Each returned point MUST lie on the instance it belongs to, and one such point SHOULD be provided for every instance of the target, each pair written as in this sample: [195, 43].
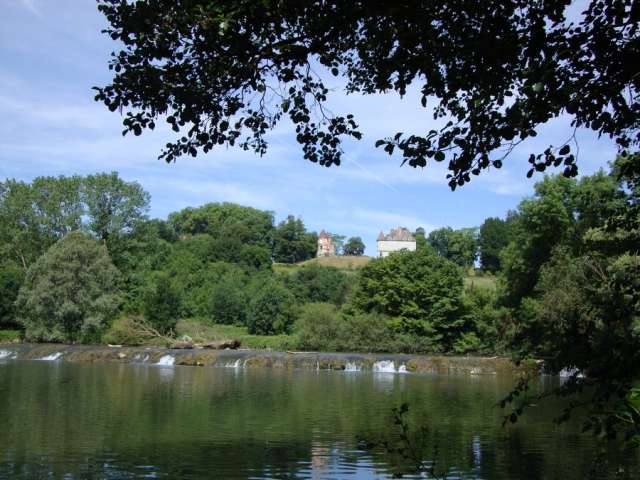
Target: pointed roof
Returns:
[381, 236]
[323, 234]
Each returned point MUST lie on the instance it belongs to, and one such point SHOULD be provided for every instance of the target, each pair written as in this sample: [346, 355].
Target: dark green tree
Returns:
[225, 220]
[162, 305]
[292, 243]
[314, 283]
[420, 290]
[11, 278]
[459, 246]
[70, 293]
[354, 246]
[271, 310]
[224, 73]
[229, 301]
[493, 238]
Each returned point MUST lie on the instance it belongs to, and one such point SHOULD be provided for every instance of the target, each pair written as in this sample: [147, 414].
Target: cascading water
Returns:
[351, 367]
[5, 354]
[166, 360]
[388, 366]
[52, 358]
[236, 364]
[384, 366]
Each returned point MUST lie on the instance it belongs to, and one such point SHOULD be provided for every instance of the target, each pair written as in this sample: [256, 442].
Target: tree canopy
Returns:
[70, 293]
[225, 73]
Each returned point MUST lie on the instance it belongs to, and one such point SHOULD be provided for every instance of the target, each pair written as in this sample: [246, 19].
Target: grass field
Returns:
[202, 332]
[346, 263]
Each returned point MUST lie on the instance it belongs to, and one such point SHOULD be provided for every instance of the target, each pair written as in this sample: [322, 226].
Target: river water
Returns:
[82, 420]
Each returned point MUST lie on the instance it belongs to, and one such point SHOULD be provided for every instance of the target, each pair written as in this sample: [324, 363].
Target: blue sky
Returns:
[52, 53]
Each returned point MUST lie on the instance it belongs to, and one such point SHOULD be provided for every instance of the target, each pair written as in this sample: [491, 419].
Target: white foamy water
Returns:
[384, 366]
[6, 354]
[388, 366]
[166, 360]
[351, 367]
[236, 364]
[53, 357]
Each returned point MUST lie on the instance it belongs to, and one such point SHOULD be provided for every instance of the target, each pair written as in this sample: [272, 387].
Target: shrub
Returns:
[229, 302]
[132, 331]
[69, 293]
[321, 326]
[162, 305]
[271, 310]
[313, 283]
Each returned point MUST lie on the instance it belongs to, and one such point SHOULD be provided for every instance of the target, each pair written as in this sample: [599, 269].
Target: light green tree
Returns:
[70, 293]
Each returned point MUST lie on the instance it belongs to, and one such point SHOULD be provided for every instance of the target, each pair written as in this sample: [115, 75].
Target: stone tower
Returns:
[326, 248]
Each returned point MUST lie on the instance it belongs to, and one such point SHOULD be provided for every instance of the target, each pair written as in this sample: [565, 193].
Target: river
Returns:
[108, 420]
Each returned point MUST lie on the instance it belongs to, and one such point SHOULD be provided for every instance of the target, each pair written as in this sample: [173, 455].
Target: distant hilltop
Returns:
[398, 239]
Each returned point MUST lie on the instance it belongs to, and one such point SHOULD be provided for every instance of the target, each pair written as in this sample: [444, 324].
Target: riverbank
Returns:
[387, 363]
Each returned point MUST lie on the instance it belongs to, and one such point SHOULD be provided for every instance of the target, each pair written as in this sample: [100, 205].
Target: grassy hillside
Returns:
[347, 263]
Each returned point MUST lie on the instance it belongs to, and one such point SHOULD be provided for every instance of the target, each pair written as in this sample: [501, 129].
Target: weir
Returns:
[348, 362]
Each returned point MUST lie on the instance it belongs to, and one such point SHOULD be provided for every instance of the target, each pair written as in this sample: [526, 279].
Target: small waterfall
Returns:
[384, 366]
[388, 366]
[6, 354]
[166, 360]
[351, 367]
[52, 358]
[236, 364]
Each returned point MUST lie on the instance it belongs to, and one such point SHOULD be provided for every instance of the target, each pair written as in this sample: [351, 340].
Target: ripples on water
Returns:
[64, 420]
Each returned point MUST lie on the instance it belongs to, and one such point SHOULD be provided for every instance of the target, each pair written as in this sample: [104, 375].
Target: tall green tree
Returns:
[162, 304]
[494, 71]
[354, 246]
[493, 238]
[459, 246]
[292, 243]
[70, 293]
[21, 238]
[225, 220]
[58, 205]
[420, 290]
[271, 310]
[113, 207]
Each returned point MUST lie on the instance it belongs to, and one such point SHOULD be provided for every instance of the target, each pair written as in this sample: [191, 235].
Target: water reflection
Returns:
[62, 420]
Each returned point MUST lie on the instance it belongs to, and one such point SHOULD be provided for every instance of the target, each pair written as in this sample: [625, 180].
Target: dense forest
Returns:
[82, 262]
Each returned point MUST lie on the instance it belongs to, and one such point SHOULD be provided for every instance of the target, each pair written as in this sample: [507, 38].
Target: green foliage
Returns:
[541, 64]
[321, 327]
[255, 257]
[489, 322]
[162, 305]
[292, 243]
[132, 331]
[245, 225]
[561, 211]
[271, 310]
[420, 290]
[229, 301]
[354, 246]
[11, 277]
[8, 336]
[493, 238]
[313, 283]
[70, 293]
[459, 246]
